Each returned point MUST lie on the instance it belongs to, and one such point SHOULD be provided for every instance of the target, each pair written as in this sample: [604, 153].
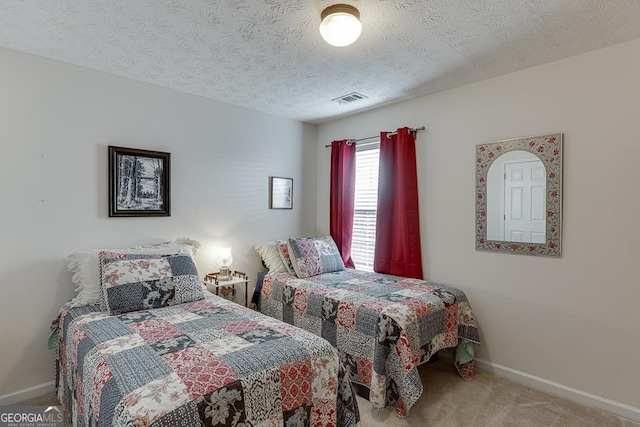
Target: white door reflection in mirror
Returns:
[534, 194]
[516, 198]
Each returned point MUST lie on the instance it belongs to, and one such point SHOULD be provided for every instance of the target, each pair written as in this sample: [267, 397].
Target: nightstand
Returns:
[237, 278]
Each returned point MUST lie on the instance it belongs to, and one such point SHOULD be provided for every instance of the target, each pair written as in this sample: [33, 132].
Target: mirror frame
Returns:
[548, 148]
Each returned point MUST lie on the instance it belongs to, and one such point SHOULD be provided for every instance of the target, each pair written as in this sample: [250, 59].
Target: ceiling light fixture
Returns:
[340, 25]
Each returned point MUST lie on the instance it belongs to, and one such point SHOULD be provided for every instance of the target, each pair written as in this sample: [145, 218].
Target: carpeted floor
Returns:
[487, 400]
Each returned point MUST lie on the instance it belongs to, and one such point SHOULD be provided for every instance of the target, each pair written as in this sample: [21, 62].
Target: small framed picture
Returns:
[281, 193]
[138, 182]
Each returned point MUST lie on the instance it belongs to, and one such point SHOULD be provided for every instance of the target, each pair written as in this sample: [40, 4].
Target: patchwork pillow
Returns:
[315, 255]
[270, 255]
[285, 255]
[85, 270]
[131, 282]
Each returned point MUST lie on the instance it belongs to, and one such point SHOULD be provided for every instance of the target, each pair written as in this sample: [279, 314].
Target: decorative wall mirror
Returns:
[519, 196]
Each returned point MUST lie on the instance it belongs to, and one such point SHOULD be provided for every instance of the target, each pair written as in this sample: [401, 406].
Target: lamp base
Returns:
[224, 274]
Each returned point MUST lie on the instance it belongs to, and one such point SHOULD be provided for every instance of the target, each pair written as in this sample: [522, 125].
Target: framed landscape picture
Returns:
[138, 182]
[281, 193]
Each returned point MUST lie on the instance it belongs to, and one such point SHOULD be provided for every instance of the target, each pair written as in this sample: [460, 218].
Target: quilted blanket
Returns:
[206, 363]
[384, 326]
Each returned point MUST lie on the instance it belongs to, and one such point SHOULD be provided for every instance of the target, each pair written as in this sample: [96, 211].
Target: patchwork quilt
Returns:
[205, 363]
[383, 326]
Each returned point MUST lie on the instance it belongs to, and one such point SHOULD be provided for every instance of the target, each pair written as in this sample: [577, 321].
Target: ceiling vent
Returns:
[348, 98]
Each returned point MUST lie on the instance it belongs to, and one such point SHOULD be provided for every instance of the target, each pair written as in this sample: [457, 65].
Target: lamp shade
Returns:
[224, 254]
[340, 25]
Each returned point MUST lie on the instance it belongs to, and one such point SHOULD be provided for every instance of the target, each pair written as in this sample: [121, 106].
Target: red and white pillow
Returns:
[132, 282]
[311, 256]
[285, 255]
[85, 270]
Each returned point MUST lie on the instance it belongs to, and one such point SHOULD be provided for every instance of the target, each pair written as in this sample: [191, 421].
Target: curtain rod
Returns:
[389, 135]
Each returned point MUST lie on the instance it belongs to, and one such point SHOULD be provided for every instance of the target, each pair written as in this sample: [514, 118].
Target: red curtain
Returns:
[342, 196]
[398, 222]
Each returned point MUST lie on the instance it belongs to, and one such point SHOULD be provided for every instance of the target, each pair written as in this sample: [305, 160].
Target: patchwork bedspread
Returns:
[205, 363]
[384, 326]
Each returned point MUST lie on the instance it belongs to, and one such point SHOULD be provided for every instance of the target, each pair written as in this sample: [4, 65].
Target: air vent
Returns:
[348, 98]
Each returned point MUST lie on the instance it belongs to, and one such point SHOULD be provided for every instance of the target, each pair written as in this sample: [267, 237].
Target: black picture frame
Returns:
[139, 182]
[280, 193]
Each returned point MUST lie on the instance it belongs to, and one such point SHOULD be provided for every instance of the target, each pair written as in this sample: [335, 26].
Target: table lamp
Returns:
[225, 261]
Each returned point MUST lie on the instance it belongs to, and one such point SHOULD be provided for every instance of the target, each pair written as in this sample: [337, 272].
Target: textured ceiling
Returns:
[268, 55]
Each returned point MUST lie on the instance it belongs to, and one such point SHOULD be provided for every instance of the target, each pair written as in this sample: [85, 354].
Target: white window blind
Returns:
[366, 201]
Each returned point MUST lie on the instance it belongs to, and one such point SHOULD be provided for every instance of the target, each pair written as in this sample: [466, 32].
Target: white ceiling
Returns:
[268, 55]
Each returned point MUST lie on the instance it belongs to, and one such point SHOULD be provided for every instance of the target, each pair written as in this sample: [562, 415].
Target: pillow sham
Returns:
[132, 282]
[315, 255]
[270, 255]
[85, 271]
[285, 255]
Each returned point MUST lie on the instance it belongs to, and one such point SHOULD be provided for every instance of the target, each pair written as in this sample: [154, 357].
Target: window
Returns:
[366, 201]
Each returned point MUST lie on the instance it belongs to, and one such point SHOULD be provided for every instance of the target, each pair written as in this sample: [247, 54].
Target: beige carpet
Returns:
[487, 400]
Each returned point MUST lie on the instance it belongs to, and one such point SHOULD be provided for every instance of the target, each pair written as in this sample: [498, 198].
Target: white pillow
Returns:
[268, 251]
[85, 270]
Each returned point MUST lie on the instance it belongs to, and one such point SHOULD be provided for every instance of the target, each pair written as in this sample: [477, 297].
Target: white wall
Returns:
[573, 320]
[56, 121]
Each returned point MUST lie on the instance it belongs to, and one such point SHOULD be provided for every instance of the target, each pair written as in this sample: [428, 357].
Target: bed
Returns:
[383, 326]
[171, 354]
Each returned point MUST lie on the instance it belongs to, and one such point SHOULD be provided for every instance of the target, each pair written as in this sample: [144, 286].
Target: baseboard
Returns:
[27, 393]
[570, 393]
